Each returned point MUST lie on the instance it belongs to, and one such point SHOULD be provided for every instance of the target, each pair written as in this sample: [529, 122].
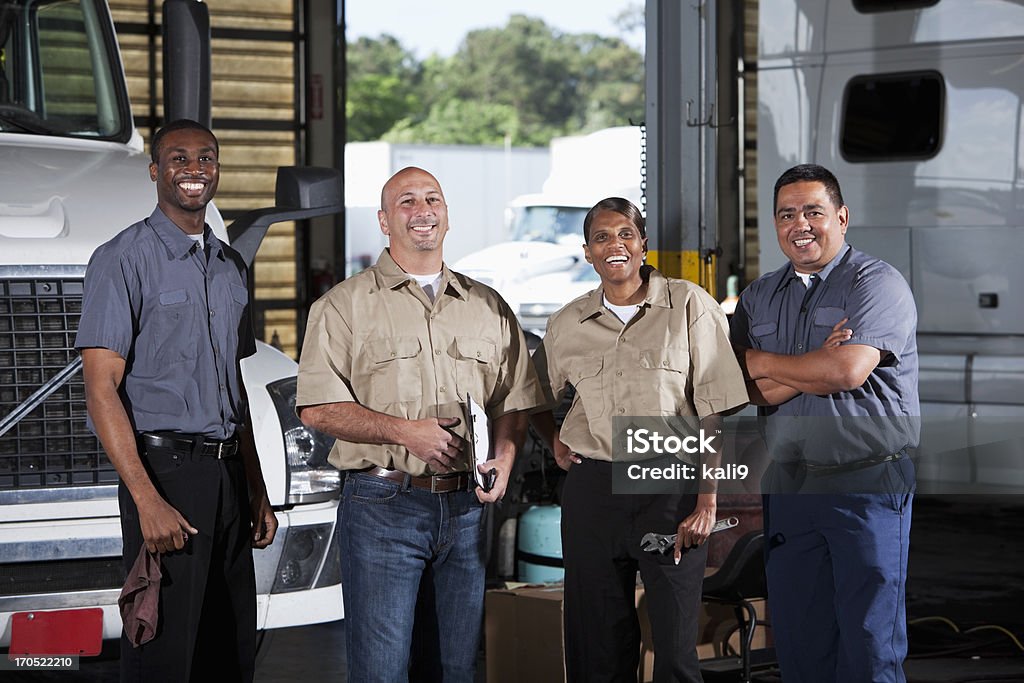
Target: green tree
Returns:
[610, 80]
[632, 19]
[525, 80]
[525, 65]
[383, 78]
[557, 83]
[460, 122]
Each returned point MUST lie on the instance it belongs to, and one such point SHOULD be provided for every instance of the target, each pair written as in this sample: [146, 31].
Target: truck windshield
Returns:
[59, 70]
[548, 224]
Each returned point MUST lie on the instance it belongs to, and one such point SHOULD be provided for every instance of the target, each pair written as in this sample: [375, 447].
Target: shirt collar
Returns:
[391, 276]
[789, 273]
[657, 287]
[657, 294]
[175, 239]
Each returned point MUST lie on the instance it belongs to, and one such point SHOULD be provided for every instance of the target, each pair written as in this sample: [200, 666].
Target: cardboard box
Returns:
[523, 633]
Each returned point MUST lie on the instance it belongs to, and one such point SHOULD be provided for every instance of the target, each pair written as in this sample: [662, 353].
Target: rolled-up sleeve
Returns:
[718, 384]
[552, 379]
[325, 365]
[108, 319]
[739, 324]
[517, 387]
[881, 312]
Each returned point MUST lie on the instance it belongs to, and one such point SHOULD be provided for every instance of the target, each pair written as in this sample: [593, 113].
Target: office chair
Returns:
[739, 580]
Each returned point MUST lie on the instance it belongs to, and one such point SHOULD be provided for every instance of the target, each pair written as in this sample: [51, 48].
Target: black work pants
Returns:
[601, 535]
[207, 613]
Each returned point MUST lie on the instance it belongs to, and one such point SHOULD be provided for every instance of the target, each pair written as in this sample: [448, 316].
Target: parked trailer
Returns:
[918, 108]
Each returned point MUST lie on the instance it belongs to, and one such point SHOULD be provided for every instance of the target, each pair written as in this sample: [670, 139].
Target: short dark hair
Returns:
[179, 124]
[810, 173]
[620, 206]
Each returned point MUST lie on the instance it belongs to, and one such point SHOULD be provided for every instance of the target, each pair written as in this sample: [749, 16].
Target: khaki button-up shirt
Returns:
[672, 358]
[376, 339]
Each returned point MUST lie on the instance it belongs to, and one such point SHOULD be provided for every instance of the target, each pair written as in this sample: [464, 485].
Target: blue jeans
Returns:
[412, 570]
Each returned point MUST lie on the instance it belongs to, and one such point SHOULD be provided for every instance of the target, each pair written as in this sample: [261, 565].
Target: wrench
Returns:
[662, 543]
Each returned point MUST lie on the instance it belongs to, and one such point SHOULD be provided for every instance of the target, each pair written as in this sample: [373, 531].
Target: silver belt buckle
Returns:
[433, 483]
[220, 450]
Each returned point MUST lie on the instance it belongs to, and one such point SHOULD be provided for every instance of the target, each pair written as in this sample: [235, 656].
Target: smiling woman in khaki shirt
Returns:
[639, 345]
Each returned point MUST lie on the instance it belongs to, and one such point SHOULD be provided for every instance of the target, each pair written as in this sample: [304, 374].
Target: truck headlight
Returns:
[310, 478]
[304, 550]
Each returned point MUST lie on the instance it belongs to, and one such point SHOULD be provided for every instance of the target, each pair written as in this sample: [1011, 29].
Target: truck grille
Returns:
[61, 576]
[50, 446]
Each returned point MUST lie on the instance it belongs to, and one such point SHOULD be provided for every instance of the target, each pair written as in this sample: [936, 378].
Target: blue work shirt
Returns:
[179, 317]
[778, 314]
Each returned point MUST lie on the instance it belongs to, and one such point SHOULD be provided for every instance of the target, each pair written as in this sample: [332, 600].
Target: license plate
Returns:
[61, 632]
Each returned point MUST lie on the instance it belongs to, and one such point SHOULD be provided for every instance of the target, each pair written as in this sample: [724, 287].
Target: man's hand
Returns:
[503, 469]
[696, 528]
[565, 457]
[507, 433]
[838, 335]
[264, 521]
[164, 530]
[431, 441]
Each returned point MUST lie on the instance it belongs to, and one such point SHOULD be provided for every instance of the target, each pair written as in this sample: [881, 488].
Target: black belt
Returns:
[437, 483]
[191, 443]
[818, 468]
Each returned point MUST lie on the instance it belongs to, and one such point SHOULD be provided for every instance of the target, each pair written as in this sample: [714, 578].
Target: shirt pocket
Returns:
[665, 384]
[239, 294]
[824, 319]
[476, 367]
[175, 327]
[395, 373]
[584, 375]
[765, 336]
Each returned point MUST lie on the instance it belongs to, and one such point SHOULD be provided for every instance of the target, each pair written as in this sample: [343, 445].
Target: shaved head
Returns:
[414, 216]
[395, 180]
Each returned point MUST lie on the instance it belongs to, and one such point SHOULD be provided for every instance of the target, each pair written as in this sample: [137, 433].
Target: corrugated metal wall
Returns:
[256, 48]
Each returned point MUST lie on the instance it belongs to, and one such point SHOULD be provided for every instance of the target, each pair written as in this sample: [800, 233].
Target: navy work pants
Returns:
[836, 566]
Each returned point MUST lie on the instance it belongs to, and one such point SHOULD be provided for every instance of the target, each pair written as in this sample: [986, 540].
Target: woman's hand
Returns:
[565, 457]
[696, 528]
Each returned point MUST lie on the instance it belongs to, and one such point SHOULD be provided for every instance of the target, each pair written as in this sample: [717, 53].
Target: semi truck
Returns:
[73, 172]
[917, 108]
[545, 229]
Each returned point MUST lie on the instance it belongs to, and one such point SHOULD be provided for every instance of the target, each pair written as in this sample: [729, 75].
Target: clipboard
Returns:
[479, 428]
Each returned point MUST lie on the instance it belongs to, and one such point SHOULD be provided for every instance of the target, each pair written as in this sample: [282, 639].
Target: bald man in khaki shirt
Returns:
[391, 357]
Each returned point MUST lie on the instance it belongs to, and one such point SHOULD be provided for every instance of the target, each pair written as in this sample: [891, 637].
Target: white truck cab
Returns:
[73, 173]
[546, 228]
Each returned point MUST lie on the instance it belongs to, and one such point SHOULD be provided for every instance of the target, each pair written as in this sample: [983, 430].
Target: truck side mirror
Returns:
[302, 192]
[308, 187]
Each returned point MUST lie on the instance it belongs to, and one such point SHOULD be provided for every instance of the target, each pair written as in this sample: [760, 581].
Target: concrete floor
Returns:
[966, 572]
